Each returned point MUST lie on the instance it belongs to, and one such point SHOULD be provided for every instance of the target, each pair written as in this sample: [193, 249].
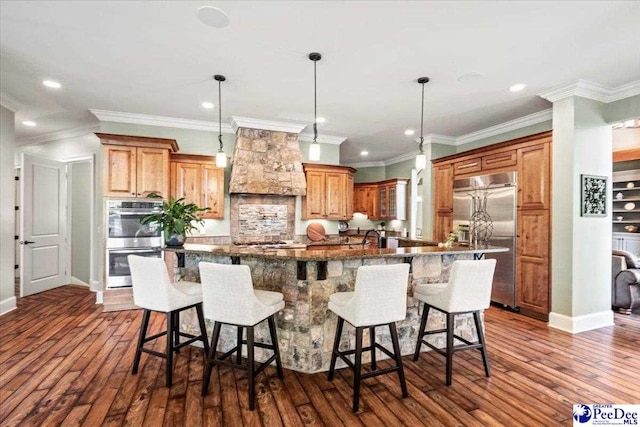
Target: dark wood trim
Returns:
[192, 158]
[138, 141]
[534, 139]
[327, 168]
[626, 155]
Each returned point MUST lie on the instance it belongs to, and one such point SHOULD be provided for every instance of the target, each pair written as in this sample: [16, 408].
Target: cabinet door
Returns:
[186, 182]
[372, 203]
[314, 201]
[534, 177]
[120, 171]
[383, 199]
[348, 192]
[442, 225]
[532, 262]
[499, 160]
[213, 191]
[443, 186]
[393, 208]
[632, 244]
[359, 194]
[467, 166]
[334, 187]
[152, 171]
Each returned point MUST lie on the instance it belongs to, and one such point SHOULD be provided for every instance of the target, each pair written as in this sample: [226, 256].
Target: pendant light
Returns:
[221, 157]
[421, 158]
[314, 148]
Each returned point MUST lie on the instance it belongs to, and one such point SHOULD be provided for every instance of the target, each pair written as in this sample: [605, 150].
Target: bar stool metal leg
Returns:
[176, 330]
[203, 330]
[251, 368]
[398, 357]
[483, 348]
[372, 338]
[449, 351]
[169, 354]
[357, 369]
[276, 348]
[421, 331]
[141, 337]
[336, 345]
[239, 341]
[210, 358]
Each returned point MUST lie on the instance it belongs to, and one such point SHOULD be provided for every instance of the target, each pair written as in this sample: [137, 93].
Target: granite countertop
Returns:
[302, 254]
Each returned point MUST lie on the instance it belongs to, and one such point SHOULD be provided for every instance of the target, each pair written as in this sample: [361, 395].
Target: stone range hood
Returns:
[267, 162]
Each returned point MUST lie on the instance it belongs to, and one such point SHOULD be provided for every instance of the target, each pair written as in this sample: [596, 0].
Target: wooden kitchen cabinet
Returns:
[366, 202]
[443, 201]
[532, 263]
[534, 180]
[329, 192]
[135, 166]
[199, 181]
[530, 157]
[393, 199]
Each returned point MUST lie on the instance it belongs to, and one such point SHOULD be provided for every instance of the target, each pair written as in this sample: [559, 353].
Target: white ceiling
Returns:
[157, 58]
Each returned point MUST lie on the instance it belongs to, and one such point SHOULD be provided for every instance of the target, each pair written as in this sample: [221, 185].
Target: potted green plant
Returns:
[176, 218]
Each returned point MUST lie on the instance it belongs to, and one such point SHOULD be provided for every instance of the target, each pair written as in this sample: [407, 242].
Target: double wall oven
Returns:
[126, 236]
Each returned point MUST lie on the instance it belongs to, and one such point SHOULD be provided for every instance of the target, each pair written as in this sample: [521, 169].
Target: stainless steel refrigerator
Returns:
[501, 207]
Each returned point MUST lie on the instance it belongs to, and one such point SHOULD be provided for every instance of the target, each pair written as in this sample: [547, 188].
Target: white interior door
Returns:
[43, 202]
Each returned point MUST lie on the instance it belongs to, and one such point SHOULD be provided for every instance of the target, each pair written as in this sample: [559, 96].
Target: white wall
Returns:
[7, 212]
[81, 187]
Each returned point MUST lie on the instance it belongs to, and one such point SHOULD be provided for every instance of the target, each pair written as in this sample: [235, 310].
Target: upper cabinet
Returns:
[136, 166]
[534, 183]
[199, 181]
[382, 200]
[329, 192]
[366, 199]
[443, 200]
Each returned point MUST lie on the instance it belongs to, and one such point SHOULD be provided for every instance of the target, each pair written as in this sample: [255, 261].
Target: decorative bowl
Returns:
[630, 206]
[631, 228]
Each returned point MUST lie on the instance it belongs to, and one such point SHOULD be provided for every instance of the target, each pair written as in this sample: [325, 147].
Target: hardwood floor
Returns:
[65, 362]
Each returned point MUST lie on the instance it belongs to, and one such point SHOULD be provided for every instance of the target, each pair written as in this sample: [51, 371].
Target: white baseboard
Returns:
[583, 323]
[7, 305]
[76, 281]
[99, 299]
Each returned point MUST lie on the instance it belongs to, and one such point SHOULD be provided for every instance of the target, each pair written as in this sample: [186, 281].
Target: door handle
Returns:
[26, 242]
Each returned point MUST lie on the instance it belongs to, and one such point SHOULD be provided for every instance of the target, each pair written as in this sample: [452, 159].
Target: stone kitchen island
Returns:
[307, 278]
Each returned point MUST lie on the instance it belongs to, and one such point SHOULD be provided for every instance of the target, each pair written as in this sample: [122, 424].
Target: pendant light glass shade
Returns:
[314, 151]
[421, 161]
[314, 148]
[221, 157]
[421, 158]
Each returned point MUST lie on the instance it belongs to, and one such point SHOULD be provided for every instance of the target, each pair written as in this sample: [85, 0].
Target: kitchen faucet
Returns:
[364, 241]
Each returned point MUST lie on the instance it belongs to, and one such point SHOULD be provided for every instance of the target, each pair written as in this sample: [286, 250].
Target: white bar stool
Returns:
[229, 298]
[153, 291]
[379, 298]
[468, 291]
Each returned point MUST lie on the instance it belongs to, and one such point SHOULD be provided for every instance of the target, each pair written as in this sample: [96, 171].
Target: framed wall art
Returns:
[593, 197]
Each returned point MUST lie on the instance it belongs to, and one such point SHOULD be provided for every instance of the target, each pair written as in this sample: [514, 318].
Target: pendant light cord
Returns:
[220, 113]
[315, 105]
[422, 121]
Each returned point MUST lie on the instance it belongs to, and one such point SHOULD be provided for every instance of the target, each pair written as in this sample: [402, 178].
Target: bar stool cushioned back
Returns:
[229, 298]
[153, 291]
[379, 298]
[467, 291]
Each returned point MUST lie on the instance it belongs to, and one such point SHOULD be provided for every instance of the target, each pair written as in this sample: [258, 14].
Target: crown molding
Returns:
[246, 122]
[11, 103]
[625, 91]
[519, 123]
[58, 135]
[162, 121]
[591, 90]
[401, 158]
[433, 138]
[367, 164]
[323, 139]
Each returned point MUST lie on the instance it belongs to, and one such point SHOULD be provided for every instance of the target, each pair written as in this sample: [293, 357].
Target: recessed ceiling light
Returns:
[213, 16]
[52, 84]
[364, 153]
[208, 105]
[518, 87]
[321, 120]
[409, 132]
[29, 123]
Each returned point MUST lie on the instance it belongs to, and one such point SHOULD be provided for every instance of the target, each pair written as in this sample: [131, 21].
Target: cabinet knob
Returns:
[133, 194]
